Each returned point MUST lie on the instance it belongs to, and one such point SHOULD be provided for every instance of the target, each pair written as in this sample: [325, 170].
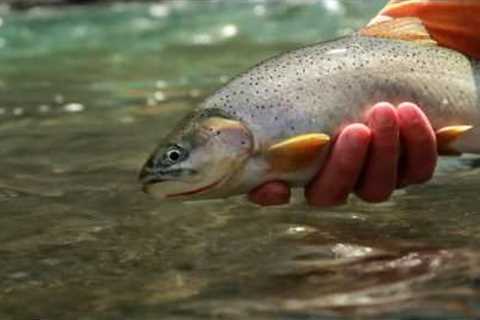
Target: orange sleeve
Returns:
[452, 23]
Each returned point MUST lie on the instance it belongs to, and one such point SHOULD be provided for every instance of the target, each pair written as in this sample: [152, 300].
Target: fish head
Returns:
[199, 158]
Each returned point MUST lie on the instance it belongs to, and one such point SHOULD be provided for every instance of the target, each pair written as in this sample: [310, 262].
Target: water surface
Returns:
[85, 95]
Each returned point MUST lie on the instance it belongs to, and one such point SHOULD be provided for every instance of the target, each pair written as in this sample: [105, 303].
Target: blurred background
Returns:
[87, 89]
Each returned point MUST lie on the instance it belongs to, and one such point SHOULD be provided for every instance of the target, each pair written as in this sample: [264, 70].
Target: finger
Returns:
[380, 174]
[340, 174]
[419, 145]
[270, 194]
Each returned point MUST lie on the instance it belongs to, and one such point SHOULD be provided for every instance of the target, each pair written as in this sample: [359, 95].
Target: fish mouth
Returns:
[195, 191]
[148, 182]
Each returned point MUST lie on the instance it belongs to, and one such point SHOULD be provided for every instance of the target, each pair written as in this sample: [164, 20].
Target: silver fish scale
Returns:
[320, 87]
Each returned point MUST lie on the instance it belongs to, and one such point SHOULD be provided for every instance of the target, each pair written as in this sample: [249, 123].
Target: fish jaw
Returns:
[219, 181]
[178, 189]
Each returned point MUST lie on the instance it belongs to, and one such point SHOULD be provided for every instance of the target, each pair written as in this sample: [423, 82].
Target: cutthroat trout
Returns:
[274, 122]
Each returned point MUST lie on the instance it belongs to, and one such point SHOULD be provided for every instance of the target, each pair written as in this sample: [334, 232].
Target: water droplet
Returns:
[58, 98]
[80, 31]
[333, 6]
[43, 108]
[18, 111]
[51, 261]
[202, 39]
[259, 10]
[161, 84]
[159, 10]
[142, 24]
[74, 107]
[18, 275]
[229, 30]
[127, 119]
[159, 96]
[151, 102]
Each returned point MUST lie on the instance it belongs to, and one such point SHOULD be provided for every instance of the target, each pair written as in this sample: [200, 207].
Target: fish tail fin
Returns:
[451, 23]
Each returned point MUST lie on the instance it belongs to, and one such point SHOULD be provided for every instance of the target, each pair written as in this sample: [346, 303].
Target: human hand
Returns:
[366, 160]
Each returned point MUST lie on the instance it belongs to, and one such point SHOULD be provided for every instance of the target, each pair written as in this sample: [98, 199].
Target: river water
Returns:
[87, 92]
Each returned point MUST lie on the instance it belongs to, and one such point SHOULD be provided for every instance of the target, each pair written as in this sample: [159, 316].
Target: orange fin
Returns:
[452, 23]
[447, 136]
[408, 29]
[297, 152]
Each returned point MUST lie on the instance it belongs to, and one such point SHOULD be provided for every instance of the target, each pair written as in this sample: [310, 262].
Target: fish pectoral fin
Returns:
[408, 29]
[452, 23]
[447, 136]
[297, 152]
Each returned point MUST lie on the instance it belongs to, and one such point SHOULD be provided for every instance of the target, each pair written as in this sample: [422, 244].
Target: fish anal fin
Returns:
[408, 29]
[296, 153]
[452, 23]
[447, 136]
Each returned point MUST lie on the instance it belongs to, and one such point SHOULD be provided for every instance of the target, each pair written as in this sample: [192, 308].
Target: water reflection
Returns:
[80, 241]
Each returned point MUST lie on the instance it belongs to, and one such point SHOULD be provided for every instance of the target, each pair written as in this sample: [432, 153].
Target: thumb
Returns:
[270, 194]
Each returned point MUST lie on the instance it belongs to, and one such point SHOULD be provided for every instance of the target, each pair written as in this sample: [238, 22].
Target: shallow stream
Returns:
[86, 93]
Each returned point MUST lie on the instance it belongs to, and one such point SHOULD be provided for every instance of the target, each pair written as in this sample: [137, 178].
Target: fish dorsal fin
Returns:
[408, 29]
[451, 23]
[296, 153]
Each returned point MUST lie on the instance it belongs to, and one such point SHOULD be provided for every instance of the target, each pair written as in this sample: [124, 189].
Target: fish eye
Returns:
[174, 154]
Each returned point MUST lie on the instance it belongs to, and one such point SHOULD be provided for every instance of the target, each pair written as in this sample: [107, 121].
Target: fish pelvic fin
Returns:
[451, 23]
[296, 153]
[447, 136]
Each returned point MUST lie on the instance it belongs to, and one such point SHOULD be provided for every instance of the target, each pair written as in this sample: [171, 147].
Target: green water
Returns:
[85, 95]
